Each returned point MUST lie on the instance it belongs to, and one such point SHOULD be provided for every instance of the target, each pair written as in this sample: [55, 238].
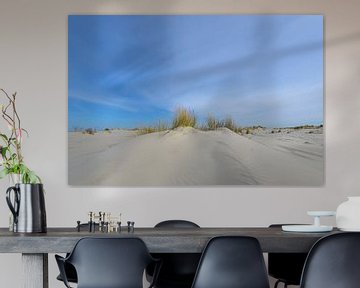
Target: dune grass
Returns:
[212, 124]
[89, 131]
[145, 130]
[307, 127]
[161, 126]
[229, 123]
[184, 118]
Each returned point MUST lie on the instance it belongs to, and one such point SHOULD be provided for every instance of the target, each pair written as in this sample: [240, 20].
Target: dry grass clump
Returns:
[184, 118]
[230, 124]
[89, 131]
[247, 131]
[275, 131]
[251, 129]
[146, 130]
[307, 127]
[161, 126]
[212, 124]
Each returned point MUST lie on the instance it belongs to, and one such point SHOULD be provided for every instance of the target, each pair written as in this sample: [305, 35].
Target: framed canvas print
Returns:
[195, 100]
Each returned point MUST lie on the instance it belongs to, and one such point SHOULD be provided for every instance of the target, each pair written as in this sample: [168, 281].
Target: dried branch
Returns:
[12, 159]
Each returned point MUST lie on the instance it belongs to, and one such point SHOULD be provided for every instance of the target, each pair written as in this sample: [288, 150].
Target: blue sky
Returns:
[132, 71]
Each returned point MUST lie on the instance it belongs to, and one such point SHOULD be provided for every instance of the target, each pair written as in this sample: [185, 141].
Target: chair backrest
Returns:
[333, 262]
[176, 224]
[286, 267]
[178, 269]
[110, 262]
[232, 262]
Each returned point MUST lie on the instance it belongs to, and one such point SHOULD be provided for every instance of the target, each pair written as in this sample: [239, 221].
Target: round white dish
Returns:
[306, 228]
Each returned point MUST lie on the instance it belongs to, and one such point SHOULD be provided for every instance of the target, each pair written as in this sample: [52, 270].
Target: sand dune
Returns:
[190, 157]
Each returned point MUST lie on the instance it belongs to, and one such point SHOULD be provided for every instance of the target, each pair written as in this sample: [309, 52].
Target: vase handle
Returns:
[13, 208]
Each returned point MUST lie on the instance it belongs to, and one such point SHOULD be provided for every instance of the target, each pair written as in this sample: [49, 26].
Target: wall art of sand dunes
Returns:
[195, 100]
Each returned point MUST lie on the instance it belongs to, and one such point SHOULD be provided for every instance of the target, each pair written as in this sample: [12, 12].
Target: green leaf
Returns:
[27, 175]
[3, 151]
[4, 173]
[33, 178]
[13, 156]
[4, 137]
[27, 133]
[15, 169]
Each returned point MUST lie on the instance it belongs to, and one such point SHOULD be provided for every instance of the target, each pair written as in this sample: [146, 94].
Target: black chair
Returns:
[178, 269]
[108, 263]
[232, 262]
[333, 262]
[69, 269]
[286, 267]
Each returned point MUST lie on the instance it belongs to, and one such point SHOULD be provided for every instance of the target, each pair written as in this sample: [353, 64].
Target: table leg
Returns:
[35, 270]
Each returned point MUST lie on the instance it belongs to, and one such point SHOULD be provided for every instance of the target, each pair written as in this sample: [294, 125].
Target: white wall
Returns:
[33, 62]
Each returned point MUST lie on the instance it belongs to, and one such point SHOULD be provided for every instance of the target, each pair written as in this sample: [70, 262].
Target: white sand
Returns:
[191, 157]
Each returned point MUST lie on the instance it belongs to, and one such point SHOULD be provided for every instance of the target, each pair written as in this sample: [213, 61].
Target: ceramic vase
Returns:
[348, 215]
[27, 204]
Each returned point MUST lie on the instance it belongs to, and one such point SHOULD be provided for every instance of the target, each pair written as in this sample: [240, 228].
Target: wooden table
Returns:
[35, 247]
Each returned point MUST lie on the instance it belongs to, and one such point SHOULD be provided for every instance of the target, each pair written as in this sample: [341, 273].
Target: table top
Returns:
[158, 240]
